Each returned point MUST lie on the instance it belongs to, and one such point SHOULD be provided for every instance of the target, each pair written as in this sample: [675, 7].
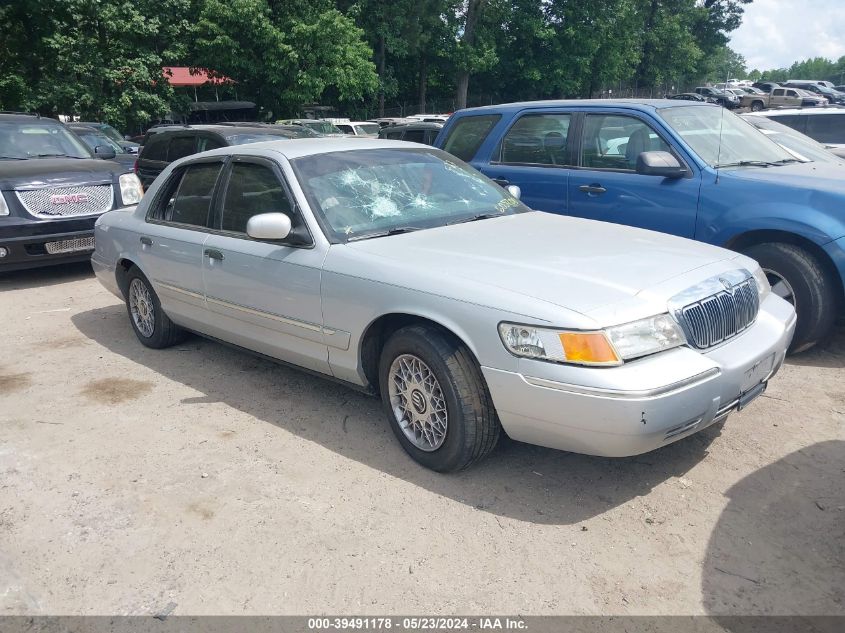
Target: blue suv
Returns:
[690, 169]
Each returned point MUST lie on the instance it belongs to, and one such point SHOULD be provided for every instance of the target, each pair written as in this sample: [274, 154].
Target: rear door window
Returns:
[468, 133]
[537, 139]
[415, 136]
[155, 149]
[209, 142]
[181, 146]
[192, 201]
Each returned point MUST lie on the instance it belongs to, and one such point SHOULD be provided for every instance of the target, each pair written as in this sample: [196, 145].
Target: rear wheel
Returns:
[151, 325]
[436, 400]
[797, 276]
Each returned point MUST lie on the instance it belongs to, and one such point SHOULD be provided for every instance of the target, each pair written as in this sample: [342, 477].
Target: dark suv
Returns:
[52, 190]
[160, 148]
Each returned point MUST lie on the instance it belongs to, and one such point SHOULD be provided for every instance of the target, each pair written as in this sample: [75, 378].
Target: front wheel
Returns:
[797, 276]
[436, 400]
[757, 106]
[151, 325]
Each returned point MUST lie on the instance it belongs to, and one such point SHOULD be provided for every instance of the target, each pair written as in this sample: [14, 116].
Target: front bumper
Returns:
[25, 242]
[644, 404]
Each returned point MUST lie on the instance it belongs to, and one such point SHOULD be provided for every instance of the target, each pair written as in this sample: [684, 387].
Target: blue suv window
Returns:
[537, 139]
[614, 142]
[467, 135]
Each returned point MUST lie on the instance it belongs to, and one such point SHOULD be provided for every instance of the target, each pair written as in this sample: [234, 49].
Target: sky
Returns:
[775, 33]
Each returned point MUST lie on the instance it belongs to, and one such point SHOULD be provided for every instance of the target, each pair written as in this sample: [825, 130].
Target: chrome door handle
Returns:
[146, 241]
[596, 188]
[212, 253]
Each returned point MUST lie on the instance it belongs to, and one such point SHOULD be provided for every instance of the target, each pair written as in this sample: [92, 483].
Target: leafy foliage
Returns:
[103, 58]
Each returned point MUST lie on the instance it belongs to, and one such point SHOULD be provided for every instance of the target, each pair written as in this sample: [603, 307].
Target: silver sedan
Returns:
[398, 269]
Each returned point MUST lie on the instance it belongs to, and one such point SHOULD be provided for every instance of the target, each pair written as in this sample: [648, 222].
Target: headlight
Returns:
[608, 347]
[559, 346]
[763, 286]
[4, 208]
[646, 336]
[131, 191]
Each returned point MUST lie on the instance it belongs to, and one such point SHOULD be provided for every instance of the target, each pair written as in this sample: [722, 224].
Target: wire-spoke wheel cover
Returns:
[417, 402]
[142, 308]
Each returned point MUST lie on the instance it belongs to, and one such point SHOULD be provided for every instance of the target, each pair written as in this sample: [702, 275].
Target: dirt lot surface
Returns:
[202, 480]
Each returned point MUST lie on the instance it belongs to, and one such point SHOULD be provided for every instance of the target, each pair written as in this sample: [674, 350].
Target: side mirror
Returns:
[659, 164]
[105, 152]
[515, 191]
[268, 226]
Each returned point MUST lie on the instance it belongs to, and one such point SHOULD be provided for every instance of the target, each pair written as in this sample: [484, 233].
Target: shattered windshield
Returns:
[375, 192]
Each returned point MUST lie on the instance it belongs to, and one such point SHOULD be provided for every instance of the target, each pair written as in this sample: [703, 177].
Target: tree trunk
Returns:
[474, 8]
[423, 85]
[381, 55]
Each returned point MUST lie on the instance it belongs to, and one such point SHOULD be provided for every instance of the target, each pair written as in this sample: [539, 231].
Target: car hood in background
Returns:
[37, 173]
[573, 263]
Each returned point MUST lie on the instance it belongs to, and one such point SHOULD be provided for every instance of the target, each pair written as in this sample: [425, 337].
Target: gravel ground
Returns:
[201, 480]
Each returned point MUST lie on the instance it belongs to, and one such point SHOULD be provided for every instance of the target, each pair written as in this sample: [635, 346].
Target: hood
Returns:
[514, 262]
[38, 173]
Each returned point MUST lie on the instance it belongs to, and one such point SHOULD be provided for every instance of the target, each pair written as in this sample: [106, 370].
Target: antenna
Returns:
[721, 123]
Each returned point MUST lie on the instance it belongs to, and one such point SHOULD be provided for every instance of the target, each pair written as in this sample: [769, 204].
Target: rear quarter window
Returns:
[181, 146]
[468, 133]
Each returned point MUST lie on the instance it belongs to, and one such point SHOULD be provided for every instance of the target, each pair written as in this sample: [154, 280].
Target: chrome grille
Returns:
[67, 201]
[70, 246]
[721, 316]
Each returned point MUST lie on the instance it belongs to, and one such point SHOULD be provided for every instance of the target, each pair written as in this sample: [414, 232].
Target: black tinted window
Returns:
[209, 142]
[253, 189]
[467, 135]
[181, 146]
[415, 136]
[538, 139]
[155, 148]
[826, 128]
[193, 198]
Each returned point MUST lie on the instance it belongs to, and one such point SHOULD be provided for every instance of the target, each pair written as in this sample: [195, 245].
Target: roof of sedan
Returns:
[638, 104]
[296, 148]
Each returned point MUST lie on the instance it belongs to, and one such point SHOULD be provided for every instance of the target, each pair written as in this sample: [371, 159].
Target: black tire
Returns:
[165, 333]
[813, 289]
[473, 427]
[756, 106]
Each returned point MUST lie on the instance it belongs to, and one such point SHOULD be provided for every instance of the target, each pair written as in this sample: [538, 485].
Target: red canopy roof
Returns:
[179, 76]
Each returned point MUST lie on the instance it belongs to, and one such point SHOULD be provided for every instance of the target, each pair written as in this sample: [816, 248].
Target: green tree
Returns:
[284, 54]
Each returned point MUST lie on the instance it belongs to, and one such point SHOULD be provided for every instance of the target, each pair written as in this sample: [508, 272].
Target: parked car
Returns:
[726, 99]
[780, 97]
[387, 121]
[93, 138]
[690, 169]
[400, 270]
[321, 127]
[165, 146]
[127, 145]
[826, 126]
[359, 128]
[831, 95]
[799, 145]
[692, 96]
[52, 189]
[414, 132]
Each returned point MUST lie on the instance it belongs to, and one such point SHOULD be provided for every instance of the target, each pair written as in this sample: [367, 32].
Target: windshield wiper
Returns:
[746, 163]
[480, 216]
[12, 158]
[786, 161]
[55, 156]
[395, 231]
